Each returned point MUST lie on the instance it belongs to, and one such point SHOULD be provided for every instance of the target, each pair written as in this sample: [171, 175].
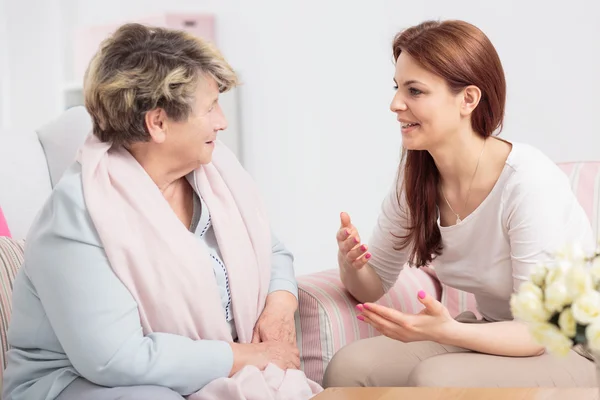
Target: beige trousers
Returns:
[384, 362]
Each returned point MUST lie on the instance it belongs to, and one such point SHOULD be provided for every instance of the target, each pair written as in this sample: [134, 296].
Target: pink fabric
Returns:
[458, 301]
[157, 258]
[3, 225]
[585, 182]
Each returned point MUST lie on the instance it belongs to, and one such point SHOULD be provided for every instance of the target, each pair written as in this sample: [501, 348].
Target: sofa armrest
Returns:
[11, 258]
[326, 319]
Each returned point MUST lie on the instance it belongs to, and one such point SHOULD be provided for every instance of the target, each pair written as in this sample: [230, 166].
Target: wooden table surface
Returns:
[459, 394]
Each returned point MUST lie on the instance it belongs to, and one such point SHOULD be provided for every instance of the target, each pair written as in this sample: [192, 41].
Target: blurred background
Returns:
[311, 120]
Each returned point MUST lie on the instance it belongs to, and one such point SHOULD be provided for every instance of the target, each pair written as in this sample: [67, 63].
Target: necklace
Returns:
[458, 219]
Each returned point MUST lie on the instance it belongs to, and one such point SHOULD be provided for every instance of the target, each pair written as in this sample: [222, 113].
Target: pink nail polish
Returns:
[363, 248]
[347, 232]
[421, 294]
[360, 317]
[359, 307]
[368, 256]
[366, 307]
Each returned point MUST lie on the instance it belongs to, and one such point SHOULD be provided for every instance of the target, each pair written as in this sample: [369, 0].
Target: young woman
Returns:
[483, 210]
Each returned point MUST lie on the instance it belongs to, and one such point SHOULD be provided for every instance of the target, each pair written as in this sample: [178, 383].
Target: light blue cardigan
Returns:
[73, 317]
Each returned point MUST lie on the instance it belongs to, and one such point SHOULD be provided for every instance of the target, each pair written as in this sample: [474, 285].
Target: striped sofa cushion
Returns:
[457, 301]
[326, 320]
[11, 258]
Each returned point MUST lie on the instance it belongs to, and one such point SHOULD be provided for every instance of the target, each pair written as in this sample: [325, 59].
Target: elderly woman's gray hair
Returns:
[140, 68]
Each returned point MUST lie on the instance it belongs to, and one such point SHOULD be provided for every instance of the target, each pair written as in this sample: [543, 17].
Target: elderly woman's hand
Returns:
[276, 323]
[284, 355]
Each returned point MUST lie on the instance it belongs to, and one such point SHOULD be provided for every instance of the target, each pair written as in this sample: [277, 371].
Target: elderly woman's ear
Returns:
[156, 123]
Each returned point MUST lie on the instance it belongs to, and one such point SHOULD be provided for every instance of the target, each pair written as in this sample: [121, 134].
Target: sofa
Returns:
[32, 162]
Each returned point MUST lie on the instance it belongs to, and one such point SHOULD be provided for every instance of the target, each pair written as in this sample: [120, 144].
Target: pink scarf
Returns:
[171, 276]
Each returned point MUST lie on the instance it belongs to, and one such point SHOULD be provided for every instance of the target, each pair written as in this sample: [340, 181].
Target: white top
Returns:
[530, 212]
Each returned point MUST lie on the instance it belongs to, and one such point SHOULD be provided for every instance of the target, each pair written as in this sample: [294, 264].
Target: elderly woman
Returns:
[151, 271]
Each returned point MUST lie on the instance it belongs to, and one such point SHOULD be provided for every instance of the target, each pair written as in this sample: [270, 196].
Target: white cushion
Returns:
[62, 138]
[24, 179]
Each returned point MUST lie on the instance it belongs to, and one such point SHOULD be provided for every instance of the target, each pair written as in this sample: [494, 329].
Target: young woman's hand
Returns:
[432, 323]
[351, 252]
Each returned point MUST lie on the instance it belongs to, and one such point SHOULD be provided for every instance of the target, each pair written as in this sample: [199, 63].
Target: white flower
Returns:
[592, 334]
[531, 288]
[551, 338]
[571, 252]
[538, 274]
[567, 323]
[586, 308]
[556, 273]
[557, 296]
[579, 281]
[527, 304]
[595, 270]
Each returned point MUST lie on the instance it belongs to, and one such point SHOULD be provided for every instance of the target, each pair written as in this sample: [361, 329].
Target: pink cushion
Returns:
[3, 225]
[585, 182]
[327, 314]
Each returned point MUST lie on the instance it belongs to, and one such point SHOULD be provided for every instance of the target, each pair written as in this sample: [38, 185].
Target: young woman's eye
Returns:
[414, 92]
[395, 87]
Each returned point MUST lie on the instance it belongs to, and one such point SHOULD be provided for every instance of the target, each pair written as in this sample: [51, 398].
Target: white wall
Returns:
[32, 62]
[321, 138]
[4, 95]
[317, 79]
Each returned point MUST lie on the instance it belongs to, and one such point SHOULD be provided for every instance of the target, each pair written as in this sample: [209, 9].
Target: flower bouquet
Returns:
[561, 302]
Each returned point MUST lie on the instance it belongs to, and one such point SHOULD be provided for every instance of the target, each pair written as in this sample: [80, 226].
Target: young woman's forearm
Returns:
[507, 338]
[364, 283]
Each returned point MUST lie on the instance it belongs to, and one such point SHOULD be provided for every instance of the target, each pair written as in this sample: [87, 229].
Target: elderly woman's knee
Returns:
[84, 389]
[346, 368]
[149, 393]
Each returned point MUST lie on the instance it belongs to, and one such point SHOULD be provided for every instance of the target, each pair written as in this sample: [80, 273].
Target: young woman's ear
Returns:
[471, 96]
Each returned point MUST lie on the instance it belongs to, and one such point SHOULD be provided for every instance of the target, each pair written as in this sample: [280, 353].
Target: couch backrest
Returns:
[32, 162]
[62, 138]
[585, 182]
